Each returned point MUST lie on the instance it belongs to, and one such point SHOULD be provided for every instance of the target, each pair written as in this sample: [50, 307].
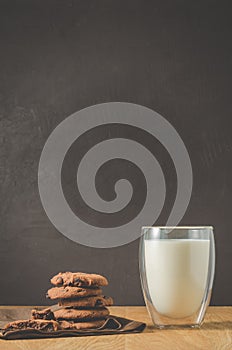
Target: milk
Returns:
[176, 271]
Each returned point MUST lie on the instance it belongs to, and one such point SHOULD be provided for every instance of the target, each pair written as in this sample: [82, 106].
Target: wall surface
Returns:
[57, 57]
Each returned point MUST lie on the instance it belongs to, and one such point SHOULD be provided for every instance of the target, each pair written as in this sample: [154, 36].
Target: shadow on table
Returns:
[217, 325]
[206, 326]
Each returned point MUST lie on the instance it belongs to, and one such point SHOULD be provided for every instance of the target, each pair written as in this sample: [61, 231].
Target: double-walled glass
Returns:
[177, 271]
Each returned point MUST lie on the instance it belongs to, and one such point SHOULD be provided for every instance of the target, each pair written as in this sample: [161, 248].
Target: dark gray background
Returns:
[60, 56]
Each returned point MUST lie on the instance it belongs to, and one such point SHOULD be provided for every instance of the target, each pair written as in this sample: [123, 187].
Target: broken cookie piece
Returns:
[42, 325]
[45, 314]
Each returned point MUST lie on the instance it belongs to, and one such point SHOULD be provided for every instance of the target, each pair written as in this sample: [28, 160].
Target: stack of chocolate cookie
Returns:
[82, 303]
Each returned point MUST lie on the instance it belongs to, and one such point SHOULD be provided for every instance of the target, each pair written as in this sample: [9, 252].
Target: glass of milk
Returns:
[177, 271]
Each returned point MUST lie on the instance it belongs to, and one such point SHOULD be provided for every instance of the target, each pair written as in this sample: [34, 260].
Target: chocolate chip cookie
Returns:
[43, 325]
[78, 279]
[72, 292]
[88, 302]
[81, 315]
[82, 325]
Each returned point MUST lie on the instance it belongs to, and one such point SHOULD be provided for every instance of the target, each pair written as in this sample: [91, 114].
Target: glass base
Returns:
[180, 326]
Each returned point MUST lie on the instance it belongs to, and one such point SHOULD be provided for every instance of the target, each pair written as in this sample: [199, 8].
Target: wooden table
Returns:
[216, 333]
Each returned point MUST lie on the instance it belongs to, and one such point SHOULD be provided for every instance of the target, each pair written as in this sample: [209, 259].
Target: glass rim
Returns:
[178, 227]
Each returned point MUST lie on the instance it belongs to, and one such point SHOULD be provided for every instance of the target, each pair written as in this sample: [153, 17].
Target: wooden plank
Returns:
[216, 333]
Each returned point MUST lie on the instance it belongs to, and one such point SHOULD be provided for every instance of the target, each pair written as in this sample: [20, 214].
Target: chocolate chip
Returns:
[49, 328]
[77, 281]
[59, 280]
